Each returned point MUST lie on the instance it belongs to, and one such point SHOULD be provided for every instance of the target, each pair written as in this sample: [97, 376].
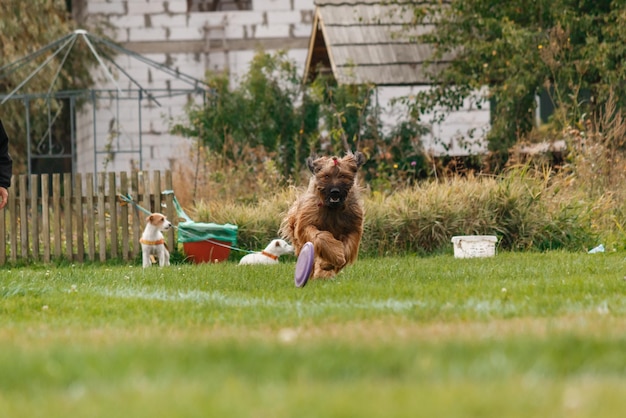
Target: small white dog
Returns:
[270, 254]
[152, 241]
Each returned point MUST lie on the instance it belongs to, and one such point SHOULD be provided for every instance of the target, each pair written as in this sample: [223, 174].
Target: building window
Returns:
[218, 5]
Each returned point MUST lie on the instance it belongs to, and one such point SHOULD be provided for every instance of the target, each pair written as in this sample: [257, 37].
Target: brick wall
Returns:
[192, 43]
[163, 31]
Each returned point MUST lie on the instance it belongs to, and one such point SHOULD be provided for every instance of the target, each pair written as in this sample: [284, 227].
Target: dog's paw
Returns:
[325, 274]
[323, 270]
[340, 261]
[330, 249]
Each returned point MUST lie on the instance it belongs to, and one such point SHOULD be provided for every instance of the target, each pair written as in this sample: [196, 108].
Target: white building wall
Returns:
[237, 34]
[125, 127]
[84, 136]
[461, 133]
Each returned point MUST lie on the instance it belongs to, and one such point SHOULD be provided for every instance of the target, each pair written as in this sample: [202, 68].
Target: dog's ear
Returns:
[277, 243]
[360, 158]
[310, 163]
[148, 219]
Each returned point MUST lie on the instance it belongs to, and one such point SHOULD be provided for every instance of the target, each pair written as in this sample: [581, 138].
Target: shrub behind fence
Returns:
[81, 217]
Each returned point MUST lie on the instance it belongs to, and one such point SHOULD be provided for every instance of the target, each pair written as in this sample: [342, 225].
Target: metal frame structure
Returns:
[46, 147]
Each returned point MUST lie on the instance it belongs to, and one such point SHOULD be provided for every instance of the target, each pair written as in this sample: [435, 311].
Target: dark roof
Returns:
[367, 41]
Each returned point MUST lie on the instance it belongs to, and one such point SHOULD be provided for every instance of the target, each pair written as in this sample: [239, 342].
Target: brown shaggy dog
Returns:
[329, 214]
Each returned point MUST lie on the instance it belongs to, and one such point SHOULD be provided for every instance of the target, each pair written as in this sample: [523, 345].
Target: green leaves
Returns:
[517, 48]
[271, 115]
[26, 27]
[259, 113]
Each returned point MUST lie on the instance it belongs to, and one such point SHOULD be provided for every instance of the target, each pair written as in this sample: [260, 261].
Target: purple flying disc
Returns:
[304, 265]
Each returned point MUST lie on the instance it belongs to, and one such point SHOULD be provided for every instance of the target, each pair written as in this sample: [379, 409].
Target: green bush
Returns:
[271, 116]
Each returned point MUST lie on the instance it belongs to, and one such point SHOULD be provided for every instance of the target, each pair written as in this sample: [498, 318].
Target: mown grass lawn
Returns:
[516, 335]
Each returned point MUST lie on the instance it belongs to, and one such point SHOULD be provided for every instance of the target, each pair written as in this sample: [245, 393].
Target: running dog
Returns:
[152, 241]
[329, 214]
[270, 254]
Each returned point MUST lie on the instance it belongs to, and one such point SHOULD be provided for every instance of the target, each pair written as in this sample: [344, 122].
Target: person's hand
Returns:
[4, 197]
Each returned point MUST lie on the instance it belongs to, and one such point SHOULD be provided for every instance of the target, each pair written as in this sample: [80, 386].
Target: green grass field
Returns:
[517, 335]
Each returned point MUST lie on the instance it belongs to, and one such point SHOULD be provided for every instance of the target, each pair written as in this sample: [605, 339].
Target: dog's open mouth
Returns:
[334, 200]
[334, 197]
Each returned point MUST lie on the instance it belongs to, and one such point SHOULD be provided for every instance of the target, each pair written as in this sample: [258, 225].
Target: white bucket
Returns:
[468, 246]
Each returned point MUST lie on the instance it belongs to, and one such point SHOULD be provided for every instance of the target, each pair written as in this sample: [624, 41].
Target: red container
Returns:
[209, 251]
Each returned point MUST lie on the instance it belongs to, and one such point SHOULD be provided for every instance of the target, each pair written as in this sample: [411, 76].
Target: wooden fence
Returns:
[81, 217]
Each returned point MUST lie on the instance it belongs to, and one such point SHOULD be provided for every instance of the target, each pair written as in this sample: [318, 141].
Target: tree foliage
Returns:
[259, 113]
[270, 114]
[573, 49]
[26, 27]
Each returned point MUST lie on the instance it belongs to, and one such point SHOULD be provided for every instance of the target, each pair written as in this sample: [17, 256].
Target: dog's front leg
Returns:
[145, 258]
[351, 246]
[164, 260]
[307, 234]
[329, 248]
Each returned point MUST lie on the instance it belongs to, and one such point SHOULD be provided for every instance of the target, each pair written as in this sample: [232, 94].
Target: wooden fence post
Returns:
[45, 216]
[78, 215]
[13, 220]
[67, 211]
[171, 211]
[124, 212]
[34, 215]
[90, 227]
[56, 206]
[113, 227]
[102, 225]
[23, 216]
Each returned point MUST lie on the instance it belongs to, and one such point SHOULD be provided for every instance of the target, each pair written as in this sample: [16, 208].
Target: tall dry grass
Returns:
[531, 206]
[526, 209]
[210, 177]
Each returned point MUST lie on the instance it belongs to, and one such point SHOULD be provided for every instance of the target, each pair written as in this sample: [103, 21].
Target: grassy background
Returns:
[514, 335]
[527, 209]
[571, 200]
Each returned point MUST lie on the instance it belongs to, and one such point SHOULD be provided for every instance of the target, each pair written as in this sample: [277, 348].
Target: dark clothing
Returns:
[6, 163]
